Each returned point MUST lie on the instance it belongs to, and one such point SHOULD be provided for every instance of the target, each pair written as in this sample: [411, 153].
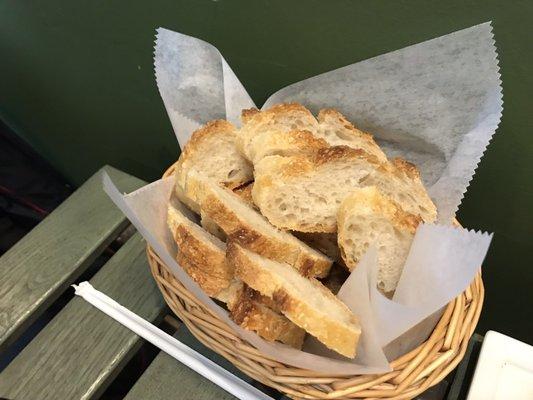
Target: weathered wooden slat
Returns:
[35, 271]
[166, 377]
[81, 350]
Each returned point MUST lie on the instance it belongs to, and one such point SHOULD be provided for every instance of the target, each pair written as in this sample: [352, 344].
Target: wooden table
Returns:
[80, 351]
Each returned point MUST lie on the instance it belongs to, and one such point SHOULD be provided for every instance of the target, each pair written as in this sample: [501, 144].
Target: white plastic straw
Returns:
[169, 344]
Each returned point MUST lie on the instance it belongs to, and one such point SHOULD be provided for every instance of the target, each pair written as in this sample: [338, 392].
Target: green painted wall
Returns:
[76, 81]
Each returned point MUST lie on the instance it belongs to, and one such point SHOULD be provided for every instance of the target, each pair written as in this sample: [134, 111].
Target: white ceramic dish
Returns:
[504, 370]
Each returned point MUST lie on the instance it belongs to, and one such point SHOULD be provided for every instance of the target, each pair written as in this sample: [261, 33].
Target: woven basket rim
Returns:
[411, 373]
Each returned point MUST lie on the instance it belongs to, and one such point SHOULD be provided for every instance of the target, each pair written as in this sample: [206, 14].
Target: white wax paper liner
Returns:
[381, 322]
[441, 264]
[435, 103]
[196, 83]
[146, 208]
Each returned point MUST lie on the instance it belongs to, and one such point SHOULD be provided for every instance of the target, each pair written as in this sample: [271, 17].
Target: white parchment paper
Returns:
[436, 103]
[442, 262]
[146, 208]
[196, 83]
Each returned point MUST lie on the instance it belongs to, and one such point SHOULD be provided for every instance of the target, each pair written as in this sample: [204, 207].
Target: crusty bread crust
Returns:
[201, 248]
[250, 229]
[248, 113]
[201, 253]
[212, 149]
[368, 216]
[341, 153]
[399, 173]
[282, 118]
[405, 167]
[372, 199]
[302, 193]
[333, 323]
[245, 193]
[212, 285]
[247, 308]
[331, 129]
[278, 113]
[309, 182]
[296, 166]
[203, 258]
[278, 142]
[337, 131]
[250, 310]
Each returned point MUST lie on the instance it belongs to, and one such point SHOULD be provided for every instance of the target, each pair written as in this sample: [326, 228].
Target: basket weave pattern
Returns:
[411, 374]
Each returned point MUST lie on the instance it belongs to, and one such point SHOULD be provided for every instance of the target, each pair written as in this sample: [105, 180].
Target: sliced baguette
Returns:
[212, 285]
[249, 309]
[400, 181]
[262, 132]
[306, 302]
[281, 117]
[245, 193]
[303, 193]
[204, 250]
[203, 257]
[337, 131]
[367, 217]
[283, 143]
[212, 150]
[252, 230]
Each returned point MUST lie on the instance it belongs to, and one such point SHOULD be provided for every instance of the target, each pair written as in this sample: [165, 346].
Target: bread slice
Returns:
[338, 131]
[284, 143]
[250, 310]
[245, 193]
[303, 193]
[212, 150]
[281, 117]
[262, 132]
[367, 217]
[306, 302]
[212, 285]
[287, 116]
[400, 181]
[201, 249]
[250, 229]
[247, 308]
[203, 257]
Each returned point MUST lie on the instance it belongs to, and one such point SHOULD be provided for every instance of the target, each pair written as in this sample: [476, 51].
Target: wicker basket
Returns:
[412, 373]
